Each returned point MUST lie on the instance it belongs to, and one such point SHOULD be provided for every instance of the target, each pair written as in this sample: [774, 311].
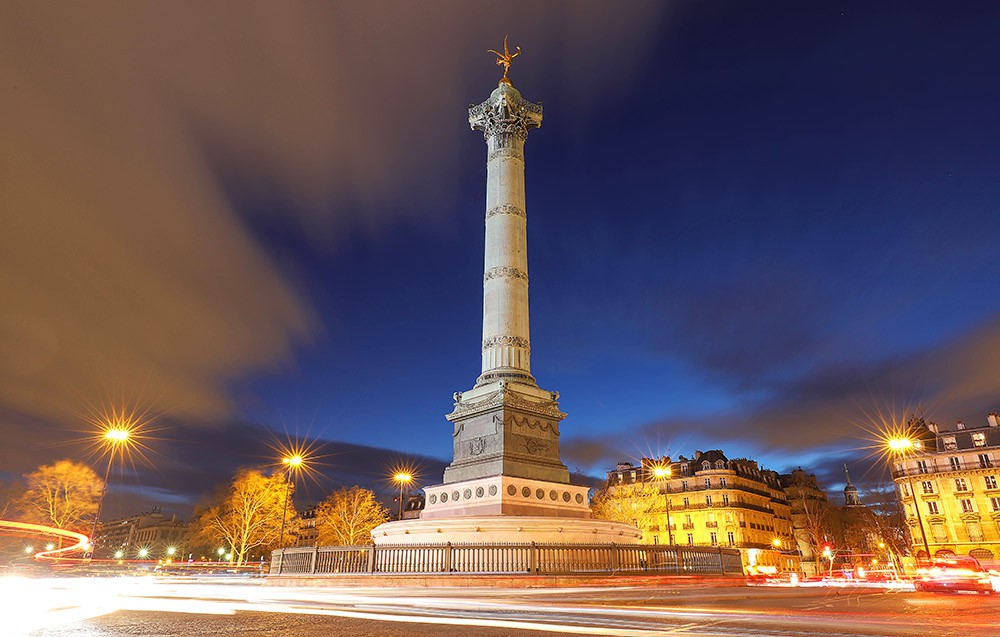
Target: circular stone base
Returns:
[505, 529]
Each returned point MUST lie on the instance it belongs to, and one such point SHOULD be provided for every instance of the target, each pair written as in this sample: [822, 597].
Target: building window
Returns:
[979, 439]
[960, 484]
[922, 466]
[966, 505]
[949, 443]
[719, 464]
[706, 465]
[687, 519]
[904, 490]
[731, 537]
[927, 486]
[687, 503]
[995, 503]
[708, 500]
[690, 538]
[723, 482]
[932, 508]
[684, 485]
[725, 499]
[713, 537]
[708, 483]
[955, 463]
[984, 461]
[991, 482]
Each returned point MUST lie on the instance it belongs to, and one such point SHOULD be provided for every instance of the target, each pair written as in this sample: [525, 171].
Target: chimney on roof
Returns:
[993, 419]
[960, 425]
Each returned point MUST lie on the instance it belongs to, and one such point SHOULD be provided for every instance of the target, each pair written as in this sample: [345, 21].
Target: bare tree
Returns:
[347, 517]
[64, 494]
[636, 504]
[250, 516]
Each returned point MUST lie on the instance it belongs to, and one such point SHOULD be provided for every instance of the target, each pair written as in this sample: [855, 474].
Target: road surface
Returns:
[113, 607]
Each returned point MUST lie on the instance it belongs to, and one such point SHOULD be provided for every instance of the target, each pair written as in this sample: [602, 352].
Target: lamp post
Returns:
[663, 474]
[293, 463]
[902, 447]
[403, 479]
[115, 439]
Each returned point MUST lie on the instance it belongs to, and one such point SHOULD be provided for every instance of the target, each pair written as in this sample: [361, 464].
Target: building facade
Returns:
[808, 504]
[710, 500]
[949, 489]
[149, 535]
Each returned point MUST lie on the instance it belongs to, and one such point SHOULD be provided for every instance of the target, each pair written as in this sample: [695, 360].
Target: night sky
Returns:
[751, 226]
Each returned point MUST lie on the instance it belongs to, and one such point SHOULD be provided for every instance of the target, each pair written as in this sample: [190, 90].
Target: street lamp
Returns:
[115, 439]
[403, 479]
[829, 554]
[663, 474]
[902, 447]
[294, 463]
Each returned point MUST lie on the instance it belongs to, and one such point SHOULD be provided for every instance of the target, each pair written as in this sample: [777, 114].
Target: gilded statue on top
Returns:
[504, 59]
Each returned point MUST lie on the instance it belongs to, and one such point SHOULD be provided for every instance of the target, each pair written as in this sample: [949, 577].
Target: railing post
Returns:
[371, 558]
[613, 558]
[281, 560]
[313, 560]
[533, 558]
[447, 557]
[722, 562]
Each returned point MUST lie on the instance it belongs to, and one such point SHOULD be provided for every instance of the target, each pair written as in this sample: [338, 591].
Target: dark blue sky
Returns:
[751, 225]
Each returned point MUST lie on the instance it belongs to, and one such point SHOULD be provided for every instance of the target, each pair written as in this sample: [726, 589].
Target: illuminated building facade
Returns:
[715, 501]
[955, 475]
[151, 532]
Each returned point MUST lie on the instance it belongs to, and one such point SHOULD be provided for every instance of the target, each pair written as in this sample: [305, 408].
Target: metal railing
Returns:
[942, 467]
[536, 559]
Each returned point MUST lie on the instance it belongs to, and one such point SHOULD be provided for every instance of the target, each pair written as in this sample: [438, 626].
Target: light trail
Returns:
[82, 541]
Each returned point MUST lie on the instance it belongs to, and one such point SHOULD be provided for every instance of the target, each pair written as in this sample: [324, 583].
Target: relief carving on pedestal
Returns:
[477, 446]
[534, 447]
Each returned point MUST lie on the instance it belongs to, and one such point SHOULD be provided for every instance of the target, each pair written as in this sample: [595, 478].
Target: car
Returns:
[957, 573]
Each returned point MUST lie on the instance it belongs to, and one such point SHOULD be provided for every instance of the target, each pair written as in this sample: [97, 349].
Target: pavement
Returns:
[180, 607]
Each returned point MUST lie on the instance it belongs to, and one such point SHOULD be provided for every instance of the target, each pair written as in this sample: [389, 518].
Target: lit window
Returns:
[979, 439]
[949, 443]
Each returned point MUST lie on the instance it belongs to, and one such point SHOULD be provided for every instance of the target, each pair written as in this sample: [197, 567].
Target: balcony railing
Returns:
[942, 467]
[712, 525]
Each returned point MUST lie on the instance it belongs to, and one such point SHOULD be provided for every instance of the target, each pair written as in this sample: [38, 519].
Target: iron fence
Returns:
[485, 559]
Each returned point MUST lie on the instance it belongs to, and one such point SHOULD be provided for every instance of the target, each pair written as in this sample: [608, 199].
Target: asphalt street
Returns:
[189, 608]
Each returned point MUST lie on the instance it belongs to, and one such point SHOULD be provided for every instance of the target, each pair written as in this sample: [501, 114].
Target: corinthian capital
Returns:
[505, 113]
